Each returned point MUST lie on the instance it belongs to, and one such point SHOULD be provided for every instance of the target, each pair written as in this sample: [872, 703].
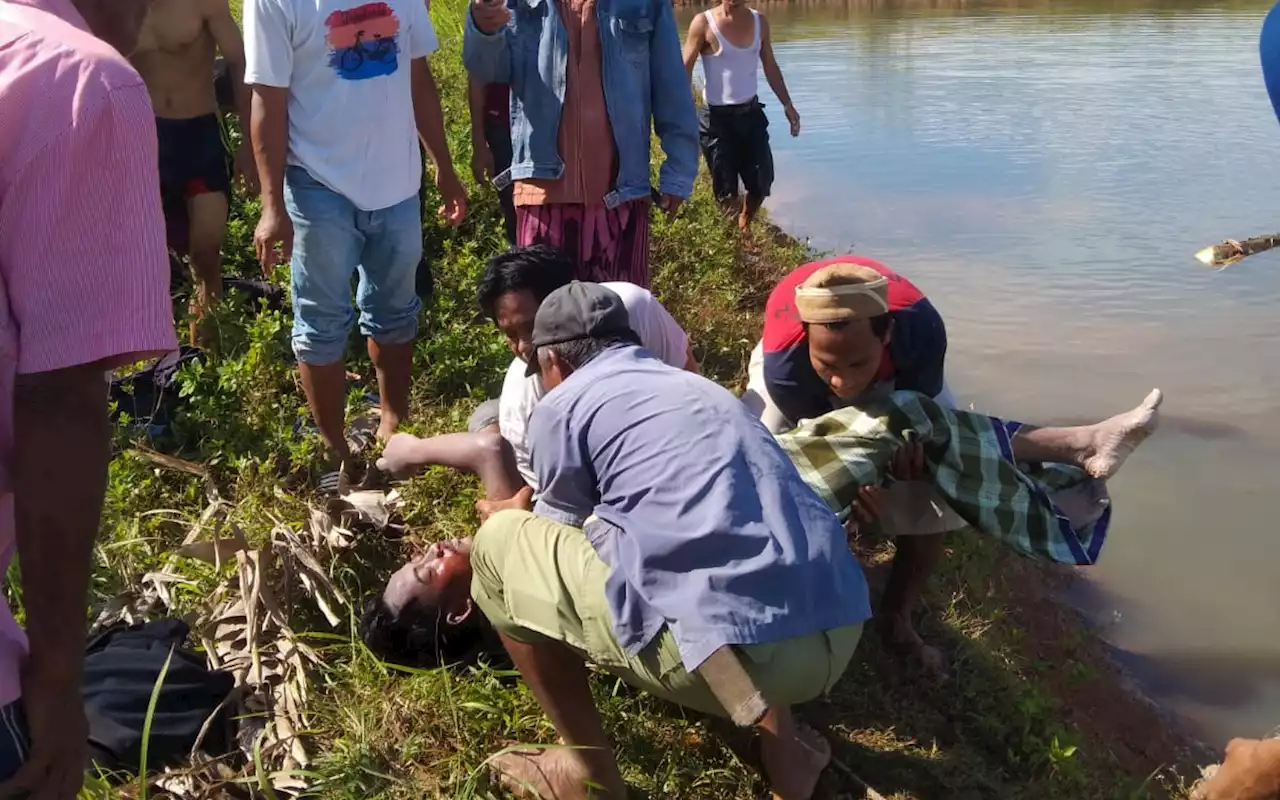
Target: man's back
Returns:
[702, 518]
[175, 57]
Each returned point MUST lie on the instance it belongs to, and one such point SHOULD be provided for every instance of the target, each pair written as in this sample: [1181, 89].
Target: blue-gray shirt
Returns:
[703, 520]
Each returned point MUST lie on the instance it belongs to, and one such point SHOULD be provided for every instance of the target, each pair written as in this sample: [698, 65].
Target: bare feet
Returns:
[904, 642]
[559, 774]
[794, 759]
[398, 456]
[1116, 438]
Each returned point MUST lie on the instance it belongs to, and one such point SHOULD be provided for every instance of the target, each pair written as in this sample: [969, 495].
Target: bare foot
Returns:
[794, 760]
[549, 775]
[397, 457]
[1116, 438]
[903, 641]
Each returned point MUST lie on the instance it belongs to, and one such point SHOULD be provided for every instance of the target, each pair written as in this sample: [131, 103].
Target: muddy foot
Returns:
[1116, 438]
[397, 457]
[548, 775]
[794, 763]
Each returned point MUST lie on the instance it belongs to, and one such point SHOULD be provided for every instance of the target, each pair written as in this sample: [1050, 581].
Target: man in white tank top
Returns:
[734, 41]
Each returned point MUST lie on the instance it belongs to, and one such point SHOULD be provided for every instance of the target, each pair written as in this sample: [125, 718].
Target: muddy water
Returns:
[1045, 175]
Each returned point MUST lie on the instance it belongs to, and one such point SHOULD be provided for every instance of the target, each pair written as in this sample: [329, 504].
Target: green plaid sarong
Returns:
[1052, 512]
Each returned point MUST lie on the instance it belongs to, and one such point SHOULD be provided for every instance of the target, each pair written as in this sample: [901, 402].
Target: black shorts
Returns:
[735, 142]
[193, 161]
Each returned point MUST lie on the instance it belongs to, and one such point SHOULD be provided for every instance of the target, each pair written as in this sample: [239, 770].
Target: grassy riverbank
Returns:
[1032, 709]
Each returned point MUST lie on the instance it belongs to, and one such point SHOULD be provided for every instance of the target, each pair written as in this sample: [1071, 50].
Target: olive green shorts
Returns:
[536, 579]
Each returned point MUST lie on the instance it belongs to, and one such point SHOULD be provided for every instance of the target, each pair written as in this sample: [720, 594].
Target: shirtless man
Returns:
[175, 57]
[734, 43]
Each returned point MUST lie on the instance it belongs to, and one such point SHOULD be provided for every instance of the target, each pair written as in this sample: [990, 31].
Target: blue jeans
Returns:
[331, 239]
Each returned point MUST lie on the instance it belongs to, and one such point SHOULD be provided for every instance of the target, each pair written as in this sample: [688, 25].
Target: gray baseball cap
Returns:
[579, 310]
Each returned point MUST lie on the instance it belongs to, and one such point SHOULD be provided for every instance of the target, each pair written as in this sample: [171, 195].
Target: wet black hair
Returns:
[420, 637]
[539, 268]
[879, 325]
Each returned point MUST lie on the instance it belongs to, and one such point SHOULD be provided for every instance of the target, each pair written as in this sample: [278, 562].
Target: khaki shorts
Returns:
[911, 508]
[536, 579]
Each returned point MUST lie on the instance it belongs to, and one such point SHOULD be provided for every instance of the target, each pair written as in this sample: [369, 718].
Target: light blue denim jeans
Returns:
[331, 239]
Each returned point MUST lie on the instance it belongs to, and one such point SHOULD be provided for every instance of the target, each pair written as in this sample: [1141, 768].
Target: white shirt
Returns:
[346, 66]
[660, 334]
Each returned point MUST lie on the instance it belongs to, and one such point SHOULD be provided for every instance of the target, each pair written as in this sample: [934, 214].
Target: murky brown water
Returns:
[1045, 176]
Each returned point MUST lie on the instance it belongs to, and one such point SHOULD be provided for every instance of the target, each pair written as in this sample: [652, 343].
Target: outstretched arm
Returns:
[773, 74]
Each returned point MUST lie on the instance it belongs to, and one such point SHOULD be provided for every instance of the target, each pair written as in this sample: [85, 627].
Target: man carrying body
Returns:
[175, 56]
[904, 348]
[699, 538]
[84, 282]
[734, 41]
[338, 92]
[496, 446]
[581, 141]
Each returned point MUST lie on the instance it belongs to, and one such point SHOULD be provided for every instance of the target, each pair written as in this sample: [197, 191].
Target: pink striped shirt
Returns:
[84, 276]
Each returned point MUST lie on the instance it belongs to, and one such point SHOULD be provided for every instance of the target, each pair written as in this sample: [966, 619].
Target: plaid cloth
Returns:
[1052, 512]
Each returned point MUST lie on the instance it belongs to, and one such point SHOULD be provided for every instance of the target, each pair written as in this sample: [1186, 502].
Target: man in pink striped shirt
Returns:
[84, 288]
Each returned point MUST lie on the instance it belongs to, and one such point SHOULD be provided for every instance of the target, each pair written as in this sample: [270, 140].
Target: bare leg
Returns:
[794, 755]
[484, 453]
[558, 679]
[750, 207]
[914, 562]
[326, 389]
[394, 365]
[208, 226]
[1099, 449]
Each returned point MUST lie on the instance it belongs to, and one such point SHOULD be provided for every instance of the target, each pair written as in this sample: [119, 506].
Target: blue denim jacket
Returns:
[644, 79]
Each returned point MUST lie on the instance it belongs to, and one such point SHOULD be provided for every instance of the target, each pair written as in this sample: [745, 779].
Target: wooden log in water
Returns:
[1232, 250]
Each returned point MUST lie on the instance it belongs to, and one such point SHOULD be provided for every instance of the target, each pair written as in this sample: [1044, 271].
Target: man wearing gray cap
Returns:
[671, 531]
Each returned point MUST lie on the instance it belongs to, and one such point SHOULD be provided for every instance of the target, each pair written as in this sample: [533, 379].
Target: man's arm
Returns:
[84, 268]
[481, 157]
[773, 74]
[226, 35]
[268, 26]
[693, 44]
[269, 132]
[430, 121]
[674, 118]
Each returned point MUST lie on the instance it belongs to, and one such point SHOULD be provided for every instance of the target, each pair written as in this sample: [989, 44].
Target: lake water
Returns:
[1046, 175]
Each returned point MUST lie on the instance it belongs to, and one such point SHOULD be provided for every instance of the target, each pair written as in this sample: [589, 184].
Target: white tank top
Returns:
[731, 73]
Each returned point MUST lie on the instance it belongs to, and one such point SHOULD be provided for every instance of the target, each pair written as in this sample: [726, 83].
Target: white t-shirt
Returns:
[346, 66]
[660, 334]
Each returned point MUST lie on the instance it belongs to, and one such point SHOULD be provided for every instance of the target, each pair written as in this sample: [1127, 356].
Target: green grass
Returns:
[1000, 727]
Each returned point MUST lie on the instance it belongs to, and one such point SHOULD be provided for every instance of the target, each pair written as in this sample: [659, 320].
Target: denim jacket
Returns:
[644, 79]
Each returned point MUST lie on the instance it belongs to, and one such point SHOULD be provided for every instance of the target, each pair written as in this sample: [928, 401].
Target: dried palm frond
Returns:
[244, 628]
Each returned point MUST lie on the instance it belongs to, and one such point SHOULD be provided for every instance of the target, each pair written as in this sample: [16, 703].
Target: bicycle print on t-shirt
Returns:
[363, 41]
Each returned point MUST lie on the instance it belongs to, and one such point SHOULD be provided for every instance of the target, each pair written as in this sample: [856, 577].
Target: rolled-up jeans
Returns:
[334, 240]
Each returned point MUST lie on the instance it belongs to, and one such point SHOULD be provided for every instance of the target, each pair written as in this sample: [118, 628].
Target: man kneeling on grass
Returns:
[495, 447]
[670, 525]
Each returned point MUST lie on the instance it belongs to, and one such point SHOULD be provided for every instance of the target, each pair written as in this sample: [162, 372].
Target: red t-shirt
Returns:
[913, 359]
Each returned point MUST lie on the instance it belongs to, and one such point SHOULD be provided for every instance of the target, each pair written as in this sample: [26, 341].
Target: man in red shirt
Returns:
[801, 371]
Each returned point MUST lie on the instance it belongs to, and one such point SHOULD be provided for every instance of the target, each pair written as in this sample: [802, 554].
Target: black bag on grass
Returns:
[120, 672]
